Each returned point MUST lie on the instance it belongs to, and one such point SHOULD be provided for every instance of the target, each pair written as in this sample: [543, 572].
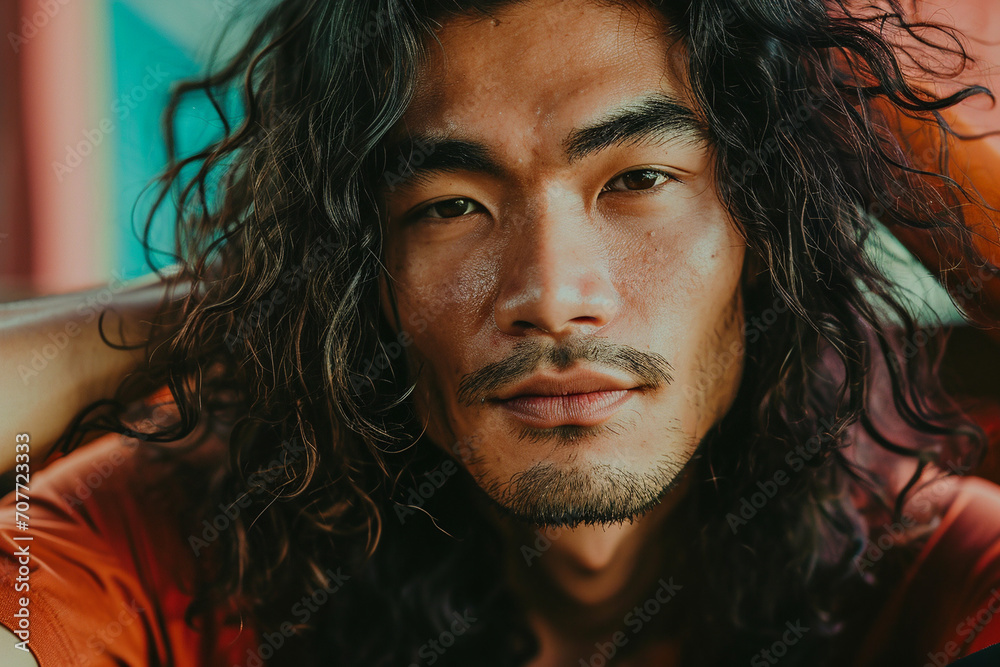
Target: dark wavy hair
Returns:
[277, 229]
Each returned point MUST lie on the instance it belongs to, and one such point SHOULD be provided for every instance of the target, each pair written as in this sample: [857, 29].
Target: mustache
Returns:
[647, 368]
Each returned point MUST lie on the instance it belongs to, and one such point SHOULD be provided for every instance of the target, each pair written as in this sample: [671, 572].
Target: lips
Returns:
[582, 398]
[578, 382]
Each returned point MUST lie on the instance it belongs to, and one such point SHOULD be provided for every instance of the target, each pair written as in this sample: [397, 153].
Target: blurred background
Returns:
[84, 84]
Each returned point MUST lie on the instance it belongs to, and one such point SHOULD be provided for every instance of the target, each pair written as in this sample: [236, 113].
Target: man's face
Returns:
[572, 295]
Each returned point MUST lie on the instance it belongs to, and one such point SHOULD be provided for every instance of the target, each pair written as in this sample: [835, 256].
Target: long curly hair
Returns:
[277, 231]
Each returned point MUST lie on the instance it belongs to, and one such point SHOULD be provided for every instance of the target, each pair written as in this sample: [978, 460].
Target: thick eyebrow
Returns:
[424, 155]
[656, 116]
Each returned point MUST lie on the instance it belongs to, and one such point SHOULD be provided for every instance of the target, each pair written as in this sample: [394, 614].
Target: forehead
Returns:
[540, 68]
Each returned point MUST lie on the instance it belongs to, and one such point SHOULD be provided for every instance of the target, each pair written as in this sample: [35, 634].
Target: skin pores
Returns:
[625, 251]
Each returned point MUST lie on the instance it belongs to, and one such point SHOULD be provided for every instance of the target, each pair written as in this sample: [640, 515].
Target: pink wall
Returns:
[64, 68]
[61, 44]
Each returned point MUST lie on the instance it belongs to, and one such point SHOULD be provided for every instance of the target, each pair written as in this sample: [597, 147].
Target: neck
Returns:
[580, 583]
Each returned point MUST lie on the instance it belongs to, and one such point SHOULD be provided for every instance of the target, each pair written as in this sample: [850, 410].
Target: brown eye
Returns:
[448, 208]
[639, 179]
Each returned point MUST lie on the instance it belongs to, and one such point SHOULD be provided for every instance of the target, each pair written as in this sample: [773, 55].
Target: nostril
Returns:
[524, 324]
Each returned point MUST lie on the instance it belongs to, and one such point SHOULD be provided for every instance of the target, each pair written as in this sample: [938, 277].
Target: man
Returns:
[556, 346]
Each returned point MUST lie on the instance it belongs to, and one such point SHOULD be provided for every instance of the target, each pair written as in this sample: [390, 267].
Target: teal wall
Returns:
[145, 61]
[155, 42]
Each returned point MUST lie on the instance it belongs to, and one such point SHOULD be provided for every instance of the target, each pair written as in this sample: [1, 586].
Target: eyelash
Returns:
[668, 178]
[659, 172]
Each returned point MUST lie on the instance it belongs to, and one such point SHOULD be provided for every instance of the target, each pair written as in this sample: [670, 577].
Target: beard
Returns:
[571, 495]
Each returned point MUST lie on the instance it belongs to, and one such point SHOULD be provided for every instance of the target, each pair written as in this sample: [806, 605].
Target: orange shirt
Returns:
[107, 550]
[109, 545]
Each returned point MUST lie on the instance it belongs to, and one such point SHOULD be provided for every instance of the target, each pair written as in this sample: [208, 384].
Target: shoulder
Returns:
[966, 560]
[964, 550]
[948, 603]
[100, 561]
[969, 533]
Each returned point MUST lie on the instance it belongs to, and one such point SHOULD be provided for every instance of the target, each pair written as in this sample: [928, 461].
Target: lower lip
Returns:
[587, 409]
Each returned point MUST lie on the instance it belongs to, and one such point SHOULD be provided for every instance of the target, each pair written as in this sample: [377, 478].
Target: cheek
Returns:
[424, 304]
[681, 277]
[441, 307]
[685, 290]
[718, 366]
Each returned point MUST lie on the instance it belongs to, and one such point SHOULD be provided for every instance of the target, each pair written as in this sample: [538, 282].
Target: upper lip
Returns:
[574, 382]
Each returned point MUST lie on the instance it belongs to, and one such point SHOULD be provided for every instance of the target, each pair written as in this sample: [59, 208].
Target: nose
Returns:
[555, 276]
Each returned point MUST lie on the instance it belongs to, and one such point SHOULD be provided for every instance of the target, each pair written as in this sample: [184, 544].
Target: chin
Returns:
[582, 479]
